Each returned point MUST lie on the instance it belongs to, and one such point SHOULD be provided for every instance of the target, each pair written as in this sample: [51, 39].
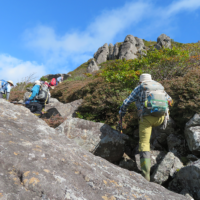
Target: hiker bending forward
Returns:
[35, 106]
[152, 104]
[5, 87]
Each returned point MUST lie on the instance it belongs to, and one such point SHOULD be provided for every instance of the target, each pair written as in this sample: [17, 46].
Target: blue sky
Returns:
[49, 37]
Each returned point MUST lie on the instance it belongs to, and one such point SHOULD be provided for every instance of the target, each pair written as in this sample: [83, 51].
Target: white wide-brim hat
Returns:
[37, 82]
[145, 77]
[10, 82]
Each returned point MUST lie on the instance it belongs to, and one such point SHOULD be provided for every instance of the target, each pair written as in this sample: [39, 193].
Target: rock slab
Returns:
[38, 163]
[192, 134]
[97, 138]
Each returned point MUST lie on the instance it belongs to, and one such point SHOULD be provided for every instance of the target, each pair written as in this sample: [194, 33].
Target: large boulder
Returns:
[38, 163]
[92, 66]
[111, 49]
[163, 41]
[192, 134]
[140, 46]
[97, 138]
[65, 110]
[167, 167]
[50, 76]
[128, 49]
[159, 135]
[156, 158]
[116, 51]
[102, 54]
[187, 180]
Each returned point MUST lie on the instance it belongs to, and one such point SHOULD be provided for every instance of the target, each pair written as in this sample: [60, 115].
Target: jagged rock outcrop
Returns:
[38, 163]
[128, 49]
[163, 41]
[65, 110]
[50, 76]
[102, 54]
[168, 167]
[98, 138]
[116, 51]
[192, 134]
[187, 180]
[140, 46]
[92, 66]
[111, 50]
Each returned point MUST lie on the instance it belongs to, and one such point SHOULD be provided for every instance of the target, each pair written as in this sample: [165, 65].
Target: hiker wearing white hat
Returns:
[152, 105]
[5, 87]
[33, 104]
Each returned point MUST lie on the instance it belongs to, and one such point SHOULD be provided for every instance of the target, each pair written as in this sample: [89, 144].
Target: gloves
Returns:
[28, 102]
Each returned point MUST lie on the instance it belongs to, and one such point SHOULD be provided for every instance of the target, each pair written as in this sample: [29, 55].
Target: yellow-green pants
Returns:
[145, 128]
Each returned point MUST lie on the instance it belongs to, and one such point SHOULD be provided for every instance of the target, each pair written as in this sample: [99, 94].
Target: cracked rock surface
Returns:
[38, 163]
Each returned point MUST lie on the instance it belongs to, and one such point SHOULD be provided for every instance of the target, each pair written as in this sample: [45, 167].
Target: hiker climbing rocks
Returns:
[33, 104]
[59, 79]
[5, 87]
[152, 104]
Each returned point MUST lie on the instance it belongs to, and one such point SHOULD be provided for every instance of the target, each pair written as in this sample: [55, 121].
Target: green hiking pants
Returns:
[145, 127]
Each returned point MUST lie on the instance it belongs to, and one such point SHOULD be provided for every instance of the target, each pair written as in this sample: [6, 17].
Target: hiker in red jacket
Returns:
[52, 82]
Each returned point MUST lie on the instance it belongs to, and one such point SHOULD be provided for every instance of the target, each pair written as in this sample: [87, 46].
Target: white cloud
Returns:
[17, 70]
[76, 47]
[183, 5]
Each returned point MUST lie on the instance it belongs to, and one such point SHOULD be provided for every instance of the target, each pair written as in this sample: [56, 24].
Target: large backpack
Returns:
[43, 93]
[2, 83]
[155, 99]
[53, 82]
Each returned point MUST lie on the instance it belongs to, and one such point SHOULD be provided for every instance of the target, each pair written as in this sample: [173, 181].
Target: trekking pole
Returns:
[119, 125]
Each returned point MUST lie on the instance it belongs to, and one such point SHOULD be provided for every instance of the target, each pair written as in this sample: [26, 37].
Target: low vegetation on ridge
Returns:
[104, 91]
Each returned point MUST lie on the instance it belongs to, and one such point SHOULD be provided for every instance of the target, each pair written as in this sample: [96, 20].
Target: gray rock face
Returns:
[50, 76]
[66, 110]
[128, 163]
[168, 166]
[26, 96]
[163, 41]
[140, 46]
[172, 142]
[116, 51]
[102, 54]
[156, 158]
[159, 136]
[38, 163]
[139, 43]
[128, 48]
[192, 134]
[111, 49]
[187, 180]
[97, 138]
[92, 66]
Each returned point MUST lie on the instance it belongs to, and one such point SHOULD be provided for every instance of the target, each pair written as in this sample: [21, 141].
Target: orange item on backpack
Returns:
[53, 82]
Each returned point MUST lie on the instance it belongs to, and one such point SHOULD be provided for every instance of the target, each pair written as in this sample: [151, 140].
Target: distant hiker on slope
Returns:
[5, 87]
[52, 83]
[59, 79]
[152, 104]
[33, 104]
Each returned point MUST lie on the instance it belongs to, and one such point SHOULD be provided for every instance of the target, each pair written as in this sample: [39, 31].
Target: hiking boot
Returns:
[145, 163]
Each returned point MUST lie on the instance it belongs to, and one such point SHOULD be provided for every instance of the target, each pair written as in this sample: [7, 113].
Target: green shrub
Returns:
[44, 79]
[185, 92]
